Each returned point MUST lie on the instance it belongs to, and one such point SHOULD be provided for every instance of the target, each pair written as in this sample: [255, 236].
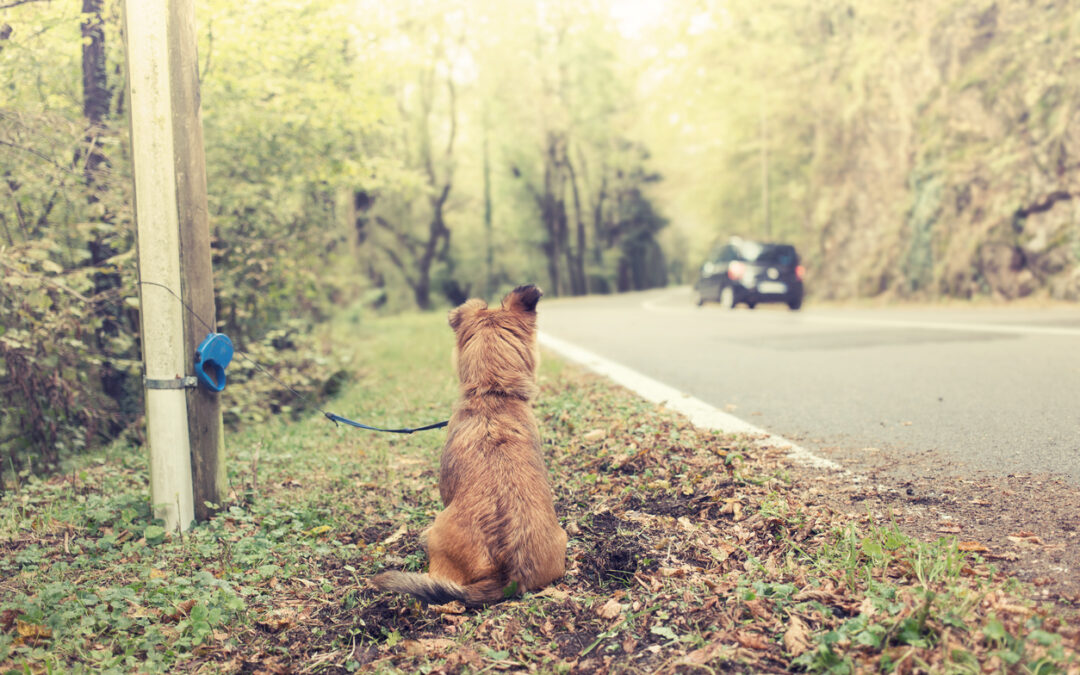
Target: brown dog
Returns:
[498, 533]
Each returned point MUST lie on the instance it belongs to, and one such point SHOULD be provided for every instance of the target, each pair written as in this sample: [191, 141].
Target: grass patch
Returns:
[688, 550]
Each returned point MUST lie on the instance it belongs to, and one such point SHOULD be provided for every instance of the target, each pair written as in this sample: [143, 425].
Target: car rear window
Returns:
[777, 255]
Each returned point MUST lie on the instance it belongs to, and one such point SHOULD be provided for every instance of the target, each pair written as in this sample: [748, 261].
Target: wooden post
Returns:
[204, 409]
[183, 424]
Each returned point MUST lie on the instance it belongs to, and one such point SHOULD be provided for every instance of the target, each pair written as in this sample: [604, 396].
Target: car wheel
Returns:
[751, 305]
[727, 297]
[795, 304]
[700, 300]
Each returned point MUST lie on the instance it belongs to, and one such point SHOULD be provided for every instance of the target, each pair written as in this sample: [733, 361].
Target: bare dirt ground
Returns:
[1026, 525]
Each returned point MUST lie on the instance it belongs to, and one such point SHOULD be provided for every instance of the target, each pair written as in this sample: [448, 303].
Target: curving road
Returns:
[995, 390]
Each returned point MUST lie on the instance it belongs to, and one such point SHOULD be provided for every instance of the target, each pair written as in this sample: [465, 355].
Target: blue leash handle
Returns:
[338, 418]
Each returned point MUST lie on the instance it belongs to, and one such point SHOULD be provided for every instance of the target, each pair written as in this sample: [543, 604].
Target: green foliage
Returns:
[343, 160]
[55, 356]
[281, 146]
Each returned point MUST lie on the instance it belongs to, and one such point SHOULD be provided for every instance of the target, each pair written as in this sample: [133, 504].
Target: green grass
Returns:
[688, 549]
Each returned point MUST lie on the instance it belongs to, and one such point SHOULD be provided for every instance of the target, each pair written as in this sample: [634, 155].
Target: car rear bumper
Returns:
[790, 291]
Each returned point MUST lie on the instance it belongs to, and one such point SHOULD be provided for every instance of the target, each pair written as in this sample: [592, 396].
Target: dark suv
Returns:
[751, 272]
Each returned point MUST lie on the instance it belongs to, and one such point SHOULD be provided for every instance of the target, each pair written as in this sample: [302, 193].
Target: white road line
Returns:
[1000, 328]
[700, 413]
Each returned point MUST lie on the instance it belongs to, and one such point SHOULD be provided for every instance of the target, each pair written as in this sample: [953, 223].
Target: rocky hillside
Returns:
[913, 149]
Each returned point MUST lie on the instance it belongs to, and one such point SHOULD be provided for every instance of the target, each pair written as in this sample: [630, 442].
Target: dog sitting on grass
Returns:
[498, 534]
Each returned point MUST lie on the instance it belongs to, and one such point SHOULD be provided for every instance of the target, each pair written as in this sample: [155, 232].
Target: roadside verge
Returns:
[689, 549]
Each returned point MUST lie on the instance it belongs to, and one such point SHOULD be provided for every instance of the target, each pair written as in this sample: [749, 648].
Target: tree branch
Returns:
[7, 230]
[440, 201]
[406, 240]
[209, 50]
[12, 186]
[16, 3]
[528, 186]
[452, 92]
[427, 95]
[48, 280]
[399, 263]
[37, 154]
[43, 218]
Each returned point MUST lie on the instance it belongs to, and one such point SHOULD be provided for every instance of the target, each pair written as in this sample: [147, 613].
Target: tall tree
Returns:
[410, 215]
[96, 95]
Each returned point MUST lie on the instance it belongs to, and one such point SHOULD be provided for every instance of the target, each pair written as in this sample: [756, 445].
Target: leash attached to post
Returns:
[213, 355]
[338, 418]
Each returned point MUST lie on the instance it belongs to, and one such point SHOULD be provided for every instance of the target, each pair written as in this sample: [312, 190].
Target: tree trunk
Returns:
[437, 246]
[422, 290]
[598, 221]
[568, 250]
[95, 85]
[548, 214]
[576, 261]
[96, 102]
[489, 257]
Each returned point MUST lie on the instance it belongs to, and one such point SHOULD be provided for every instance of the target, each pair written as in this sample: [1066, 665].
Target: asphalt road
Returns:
[993, 390]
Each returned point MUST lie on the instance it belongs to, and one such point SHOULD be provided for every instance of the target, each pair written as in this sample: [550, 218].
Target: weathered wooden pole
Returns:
[183, 420]
[204, 408]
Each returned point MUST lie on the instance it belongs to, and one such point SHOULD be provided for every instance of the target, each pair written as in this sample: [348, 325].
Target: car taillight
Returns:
[735, 270]
[800, 271]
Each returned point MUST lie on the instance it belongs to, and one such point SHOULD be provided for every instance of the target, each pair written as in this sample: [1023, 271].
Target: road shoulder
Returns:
[1027, 526]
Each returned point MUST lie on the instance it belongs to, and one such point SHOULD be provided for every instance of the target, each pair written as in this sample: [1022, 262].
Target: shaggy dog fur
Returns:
[498, 534]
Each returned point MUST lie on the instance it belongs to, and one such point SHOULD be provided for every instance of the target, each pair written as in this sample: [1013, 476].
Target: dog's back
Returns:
[499, 533]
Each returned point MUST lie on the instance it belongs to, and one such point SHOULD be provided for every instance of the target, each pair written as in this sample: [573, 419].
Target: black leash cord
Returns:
[329, 415]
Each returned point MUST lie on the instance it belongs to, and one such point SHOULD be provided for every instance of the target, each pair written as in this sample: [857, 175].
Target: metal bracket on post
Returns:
[188, 382]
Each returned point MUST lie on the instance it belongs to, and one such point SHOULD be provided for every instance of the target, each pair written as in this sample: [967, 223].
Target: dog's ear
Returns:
[459, 314]
[523, 298]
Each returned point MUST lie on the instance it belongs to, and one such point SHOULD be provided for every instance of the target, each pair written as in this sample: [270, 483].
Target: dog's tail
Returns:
[435, 591]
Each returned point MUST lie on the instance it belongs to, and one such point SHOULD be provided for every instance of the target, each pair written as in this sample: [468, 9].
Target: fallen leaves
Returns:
[610, 609]
[722, 551]
[552, 592]
[7, 619]
[395, 537]
[797, 636]
[1024, 538]
[707, 654]
[182, 611]
[734, 507]
[594, 436]
[430, 647]
[32, 631]
[280, 620]
[31, 634]
[759, 609]
[751, 640]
